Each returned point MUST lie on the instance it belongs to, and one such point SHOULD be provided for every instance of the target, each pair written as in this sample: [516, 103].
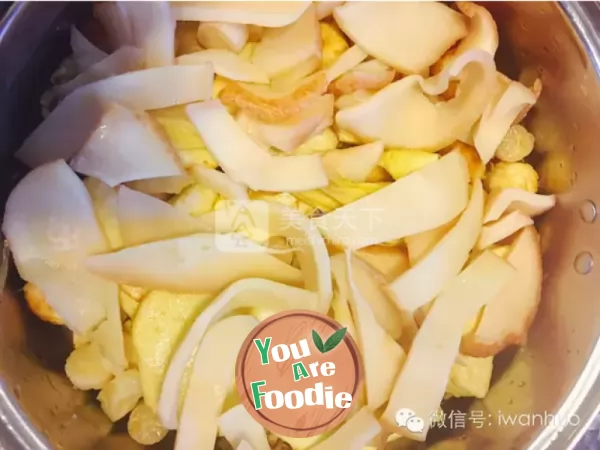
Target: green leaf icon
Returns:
[331, 343]
[318, 341]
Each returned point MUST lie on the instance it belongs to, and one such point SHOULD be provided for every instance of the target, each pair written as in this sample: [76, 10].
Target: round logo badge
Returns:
[299, 373]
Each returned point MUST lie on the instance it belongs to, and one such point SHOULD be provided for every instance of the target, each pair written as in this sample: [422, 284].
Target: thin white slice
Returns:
[424, 376]
[502, 228]
[507, 318]
[250, 292]
[302, 235]
[238, 426]
[354, 434]
[347, 61]
[246, 162]
[425, 280]
[126, 147]
[409, 36]
[341, 311]
[104, 199]
[223, 36]
[212, 377]
[423, 200]
[382, 356]
[194, 263]
[162, 185]
[353, 164]
[403, 114]
[498, 118]
[244, 446]
[226, 64]
[153, 28]
[418, 245]
[220, 183]
[126, 59]
[290, 134]
[115, 19]
[51, 227]
[513, 199]
[325, 8]
[74, 120]
[143, 219]
[85, 53]
[265, 14]
[285, 49]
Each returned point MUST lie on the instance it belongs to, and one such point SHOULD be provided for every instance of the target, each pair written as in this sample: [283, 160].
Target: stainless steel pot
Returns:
[556, 373]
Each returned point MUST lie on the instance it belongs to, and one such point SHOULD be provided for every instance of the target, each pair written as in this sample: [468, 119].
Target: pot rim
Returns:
[18, 433]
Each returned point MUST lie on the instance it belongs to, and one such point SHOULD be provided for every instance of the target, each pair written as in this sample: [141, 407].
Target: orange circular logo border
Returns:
[243, 386]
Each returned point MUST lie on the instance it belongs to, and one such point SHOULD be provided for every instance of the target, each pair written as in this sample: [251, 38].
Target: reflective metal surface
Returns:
[556, 373]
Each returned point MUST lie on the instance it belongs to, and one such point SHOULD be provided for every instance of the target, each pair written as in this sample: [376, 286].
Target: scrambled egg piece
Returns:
[556, 172]
[218, 85]
[516, 144]
[119, 396]
[38, 305]
[401, 162]
[470, 377]
[86, 368]
[334, 43]
[144, 426]
[346, 137]
[327, 140]
[337, 194]
[195, 200]
[512, 175]
[248, 51]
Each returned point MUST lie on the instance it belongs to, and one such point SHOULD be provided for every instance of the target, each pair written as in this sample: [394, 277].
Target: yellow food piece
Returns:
[86, 368]
[186, 40]
[158, 327]
[284, 198]
[130, 352]
[79, 340]
[218, 85]
[317, 199]
[38, 305]
[346, 137]
[517, 144]
[556, 172]
[505, 175]
[248, 51]
[121, 395]
[129, 305]
[196, 156]
[378, 174]
[320, 143]
[144, 426]
[501, 250]
[470, 377]
[400, 162]
[334, 43]
[137, 293]
[195, 200]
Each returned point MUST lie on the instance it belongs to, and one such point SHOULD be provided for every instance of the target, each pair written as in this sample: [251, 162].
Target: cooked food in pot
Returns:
[389, 171]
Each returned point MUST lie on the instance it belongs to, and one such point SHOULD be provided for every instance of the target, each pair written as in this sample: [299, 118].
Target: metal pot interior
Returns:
[553, 372]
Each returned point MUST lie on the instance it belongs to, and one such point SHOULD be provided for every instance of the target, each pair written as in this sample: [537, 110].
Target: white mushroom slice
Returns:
[51, 227]
[265, 14]
[354, 434]
[153, 28]
[424, 199]
[223, 36]
[285, 49]
[325, 8]
[425, 280]
[410, 36]
[424, 376]
[196, 263]
[220, 183]
[353, 164]
[290, 134]
[347, 61]
[226, 64]
[212, 373]
[498, 118]
[382, 356]
[502, 228]
[250, 292]
[247, 163]
[72, 122]
[403, 114]
[126, 59]
[513, 199]
[143, 219]
[238, 427]
[85, 53]
[126, 147]
[507, 318]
